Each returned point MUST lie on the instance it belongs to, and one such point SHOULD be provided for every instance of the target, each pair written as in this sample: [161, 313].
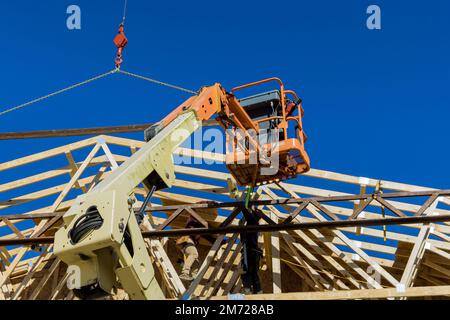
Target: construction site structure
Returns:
[349, 241]
[100, 238]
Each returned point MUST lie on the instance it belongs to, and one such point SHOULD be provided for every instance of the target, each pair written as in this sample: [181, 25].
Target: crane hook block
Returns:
[120, 41]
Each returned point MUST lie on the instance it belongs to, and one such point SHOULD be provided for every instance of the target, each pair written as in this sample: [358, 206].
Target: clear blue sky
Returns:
[376, 102]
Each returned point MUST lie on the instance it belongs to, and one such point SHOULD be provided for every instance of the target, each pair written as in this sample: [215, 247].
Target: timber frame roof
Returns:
[337, 262]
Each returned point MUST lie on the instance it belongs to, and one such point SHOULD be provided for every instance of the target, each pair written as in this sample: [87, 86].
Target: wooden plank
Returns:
[197, 217]
[53, 267]
[54, 294]
[98, 176]
[27, 279]
[324, 210]
[160, 255]
[305, 279]
[46, 154]
[75, 177]
[5, 276]
[352, 294]
[218, 265]
[362, 190]
[296, 211]
[156, 249]
[66, 190]
[233, 282]
[72, 132]
[13, 228]
[390, 207]
[397, 186]
[336, 265]
[53, 174]
[204, 267]
[418, 250]
[359, 252]
[191, 185]
[55, 278]
[321, 269]
[40, 194]
[438, 268]
[276, 264]
[415, 257]
[234, 260]
[355, 248]
[427, 204]
[331, 247]
[230, 217]
[361, 207]
[109, 155]
[313, 173]
[267, 251]
[74, 168]
[319, 281]
[78, 132]
[170, 219]
[440, 252]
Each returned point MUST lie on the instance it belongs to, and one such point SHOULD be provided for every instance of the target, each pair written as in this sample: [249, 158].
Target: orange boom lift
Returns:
[269, 130]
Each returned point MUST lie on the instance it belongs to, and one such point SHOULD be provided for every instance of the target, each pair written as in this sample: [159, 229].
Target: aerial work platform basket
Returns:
[275, 151]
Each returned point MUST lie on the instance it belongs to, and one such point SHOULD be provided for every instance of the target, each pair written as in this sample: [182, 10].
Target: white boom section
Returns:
[114, 255]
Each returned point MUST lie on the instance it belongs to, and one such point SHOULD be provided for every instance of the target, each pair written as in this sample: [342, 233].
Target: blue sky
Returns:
[376, 102]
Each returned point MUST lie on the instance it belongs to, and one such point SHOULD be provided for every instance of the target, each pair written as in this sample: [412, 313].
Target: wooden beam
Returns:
[351, 294]
[28, 278]
[47, 154]
[54, 265]
[234, 260]
[82, 131]
[74, 168]
[320, 251]
[67, 189]
[204, 267]
[276, 264]
[218, 265]
[315, 240]
[170, 219]
[419, 247]
[312, 274]
[355, 248]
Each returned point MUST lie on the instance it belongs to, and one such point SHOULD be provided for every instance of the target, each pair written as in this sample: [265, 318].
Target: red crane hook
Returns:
[120, 41]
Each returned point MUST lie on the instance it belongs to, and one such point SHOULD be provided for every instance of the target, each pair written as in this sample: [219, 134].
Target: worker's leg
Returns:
[246, 282]
[256, 283]
[190, 257]
[195, 267]
[250, 276]
[245, 275]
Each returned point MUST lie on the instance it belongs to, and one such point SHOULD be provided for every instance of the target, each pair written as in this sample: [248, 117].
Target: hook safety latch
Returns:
[120, 41]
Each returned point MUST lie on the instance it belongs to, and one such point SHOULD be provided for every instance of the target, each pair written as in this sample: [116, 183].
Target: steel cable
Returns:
[23, 105]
